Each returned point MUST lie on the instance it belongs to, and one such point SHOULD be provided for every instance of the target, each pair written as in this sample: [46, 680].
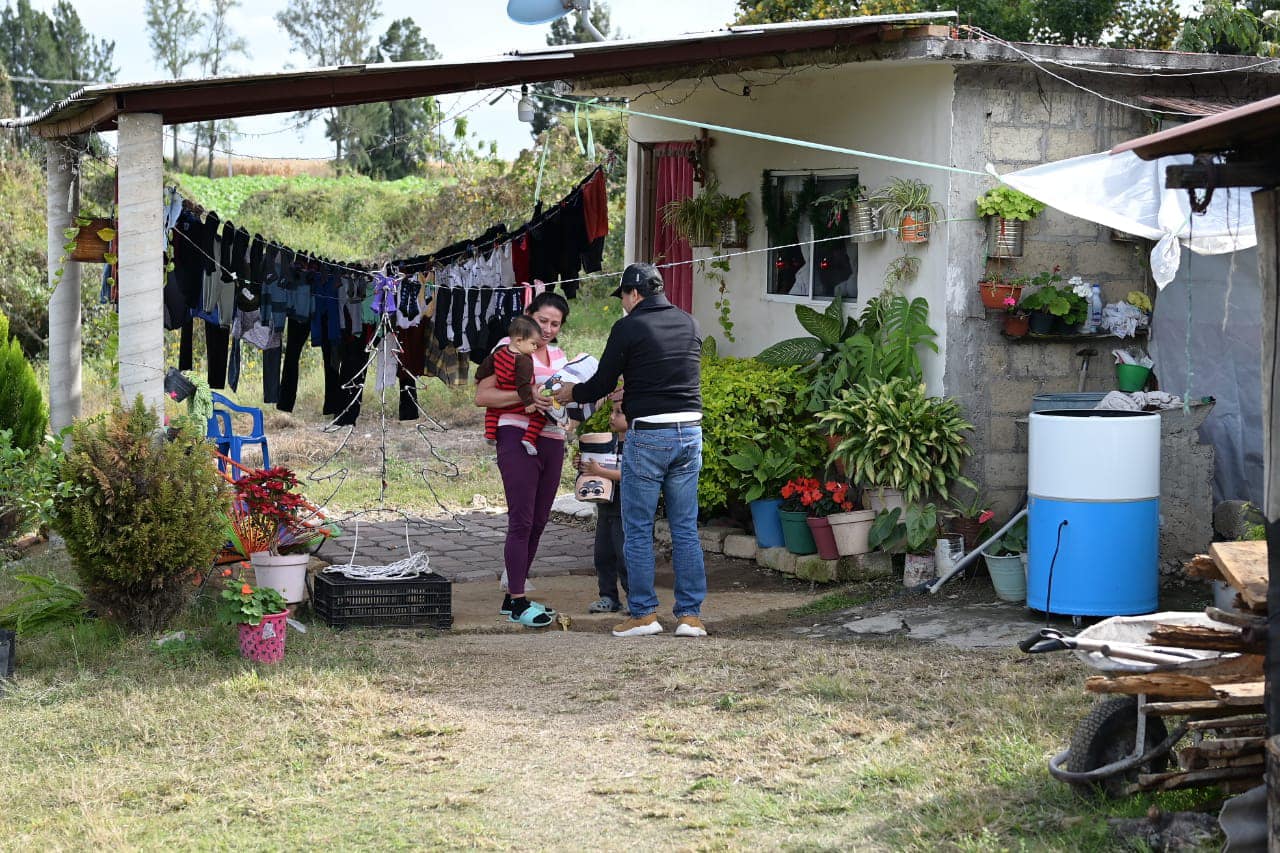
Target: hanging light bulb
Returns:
[524, 110]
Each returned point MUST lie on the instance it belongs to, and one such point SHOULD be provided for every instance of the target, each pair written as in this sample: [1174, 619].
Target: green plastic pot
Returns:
[796, 534]
[1131, 377]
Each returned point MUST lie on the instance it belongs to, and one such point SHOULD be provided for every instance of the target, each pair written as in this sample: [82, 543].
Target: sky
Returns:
[459, 30]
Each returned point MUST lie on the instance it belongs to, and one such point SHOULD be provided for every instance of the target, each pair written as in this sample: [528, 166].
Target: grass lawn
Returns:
[381, 739]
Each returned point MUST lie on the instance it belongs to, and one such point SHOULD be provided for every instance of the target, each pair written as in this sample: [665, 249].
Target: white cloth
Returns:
[1122, 319]
[1139, 401]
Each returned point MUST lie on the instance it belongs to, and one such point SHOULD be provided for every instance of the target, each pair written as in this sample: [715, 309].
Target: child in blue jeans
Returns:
[611, 567]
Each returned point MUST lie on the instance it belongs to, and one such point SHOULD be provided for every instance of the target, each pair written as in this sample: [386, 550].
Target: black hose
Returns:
[1048, 593]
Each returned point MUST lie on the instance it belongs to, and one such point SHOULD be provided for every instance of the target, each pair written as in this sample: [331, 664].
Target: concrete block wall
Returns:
[1015, 117]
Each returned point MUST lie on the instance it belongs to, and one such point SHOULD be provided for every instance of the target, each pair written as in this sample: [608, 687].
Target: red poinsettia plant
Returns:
[269, 514]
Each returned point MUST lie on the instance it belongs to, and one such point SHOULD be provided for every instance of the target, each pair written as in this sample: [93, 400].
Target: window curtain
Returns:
[674, 176]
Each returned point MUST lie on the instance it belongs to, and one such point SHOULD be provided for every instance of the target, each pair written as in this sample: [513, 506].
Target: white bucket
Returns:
[850, 530]
[286, 573]
[876, 499]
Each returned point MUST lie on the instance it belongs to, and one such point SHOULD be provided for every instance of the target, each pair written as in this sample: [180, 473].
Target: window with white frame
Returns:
[811, 255]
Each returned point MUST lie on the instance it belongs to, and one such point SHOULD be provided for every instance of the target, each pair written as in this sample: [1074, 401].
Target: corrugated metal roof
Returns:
[1193, 106]
[203, 99]
[1255, 125]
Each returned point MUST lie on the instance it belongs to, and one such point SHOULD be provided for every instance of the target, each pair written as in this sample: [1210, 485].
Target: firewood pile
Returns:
[1222, 698]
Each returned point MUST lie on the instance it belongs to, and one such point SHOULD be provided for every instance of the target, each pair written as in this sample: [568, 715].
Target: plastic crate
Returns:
[424, 601]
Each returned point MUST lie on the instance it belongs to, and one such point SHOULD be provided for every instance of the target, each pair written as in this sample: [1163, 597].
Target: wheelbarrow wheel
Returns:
[1106, 735]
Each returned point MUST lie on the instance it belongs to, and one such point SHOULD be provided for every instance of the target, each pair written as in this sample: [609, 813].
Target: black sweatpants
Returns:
[611, 566]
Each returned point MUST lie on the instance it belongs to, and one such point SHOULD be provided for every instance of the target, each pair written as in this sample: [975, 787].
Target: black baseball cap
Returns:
[642, 277]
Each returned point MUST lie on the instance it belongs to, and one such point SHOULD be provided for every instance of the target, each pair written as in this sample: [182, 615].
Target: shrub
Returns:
[141, 514]
[742, 398]
[22, 409]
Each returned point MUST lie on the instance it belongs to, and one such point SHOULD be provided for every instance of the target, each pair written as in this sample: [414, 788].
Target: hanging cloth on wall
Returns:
[674, 183]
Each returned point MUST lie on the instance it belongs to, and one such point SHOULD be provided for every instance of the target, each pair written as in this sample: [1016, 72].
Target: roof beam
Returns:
[1196, 176]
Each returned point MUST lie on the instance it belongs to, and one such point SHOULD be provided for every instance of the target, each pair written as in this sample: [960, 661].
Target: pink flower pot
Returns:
[264, 642]
[823, 538]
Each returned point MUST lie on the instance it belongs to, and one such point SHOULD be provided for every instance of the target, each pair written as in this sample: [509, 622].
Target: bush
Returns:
[743, 398]
[22, 409]
[139, 514]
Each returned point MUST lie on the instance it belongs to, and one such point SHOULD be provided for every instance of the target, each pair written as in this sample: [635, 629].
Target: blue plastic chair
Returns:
[221, 431]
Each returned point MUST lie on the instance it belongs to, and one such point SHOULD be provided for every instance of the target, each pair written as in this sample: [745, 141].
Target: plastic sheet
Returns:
[1127, 193]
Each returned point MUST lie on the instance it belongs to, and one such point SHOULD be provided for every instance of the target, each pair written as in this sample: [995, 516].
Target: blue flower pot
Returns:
[767, 522]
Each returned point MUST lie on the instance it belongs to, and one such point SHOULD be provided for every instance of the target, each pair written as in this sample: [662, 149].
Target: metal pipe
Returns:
[973, 555]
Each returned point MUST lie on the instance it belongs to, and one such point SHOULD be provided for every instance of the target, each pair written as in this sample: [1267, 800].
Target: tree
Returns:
[333, 32]
[391, 140]
[221, 44]
[50, 47]
[1145, 24]
[1223, 27]
[546, 108]
[172, 27]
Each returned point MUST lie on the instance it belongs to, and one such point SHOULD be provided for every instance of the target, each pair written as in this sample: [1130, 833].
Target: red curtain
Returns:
[674, 182]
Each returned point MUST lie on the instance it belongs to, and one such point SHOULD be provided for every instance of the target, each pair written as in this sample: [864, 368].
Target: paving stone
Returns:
[550, 571]
[712, 538]
[778, 559]
[474, 575]
[741, 546]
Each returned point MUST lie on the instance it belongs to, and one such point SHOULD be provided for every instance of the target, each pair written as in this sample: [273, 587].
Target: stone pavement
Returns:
[469, 549]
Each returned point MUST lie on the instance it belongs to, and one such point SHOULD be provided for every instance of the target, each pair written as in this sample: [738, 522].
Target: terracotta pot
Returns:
[994, 295]
[823, 537]
[1016, 325]
[970, 529]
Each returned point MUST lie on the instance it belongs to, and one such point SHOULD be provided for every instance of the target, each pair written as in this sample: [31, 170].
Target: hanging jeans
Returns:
[297, 334]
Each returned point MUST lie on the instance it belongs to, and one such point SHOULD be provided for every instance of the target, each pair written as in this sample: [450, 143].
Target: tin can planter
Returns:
[264, 642]
[863, 227]
[850, 530]
[914, 227]
[823, 538]
[796, 534]
[1004, 237]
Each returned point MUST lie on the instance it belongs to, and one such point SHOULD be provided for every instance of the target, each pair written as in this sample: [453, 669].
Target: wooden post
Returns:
[1273, 795]
[141, 350]
[62, 204]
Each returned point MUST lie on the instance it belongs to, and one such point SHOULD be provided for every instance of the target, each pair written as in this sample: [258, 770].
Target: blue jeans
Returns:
[667, 462]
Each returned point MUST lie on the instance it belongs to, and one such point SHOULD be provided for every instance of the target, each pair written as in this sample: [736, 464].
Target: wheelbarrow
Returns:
[1119, 739]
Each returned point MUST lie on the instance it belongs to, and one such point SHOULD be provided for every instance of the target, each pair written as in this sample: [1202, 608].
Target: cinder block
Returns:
[741, 546]
[865, 567]
[813, 568]
[1002, 432]
[1013, 396]
[778, 559]
[1094, 259]
[995, 359]
[712, 538]
[1001, 106]
[1017, 144]
[1005, 470]
[1068, 142]
[662, 532]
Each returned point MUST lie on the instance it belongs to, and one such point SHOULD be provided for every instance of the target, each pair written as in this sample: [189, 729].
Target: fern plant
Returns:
[22, 409]
[143, 513]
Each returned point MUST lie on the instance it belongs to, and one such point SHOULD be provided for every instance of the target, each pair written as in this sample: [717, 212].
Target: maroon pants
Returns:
[530, 483]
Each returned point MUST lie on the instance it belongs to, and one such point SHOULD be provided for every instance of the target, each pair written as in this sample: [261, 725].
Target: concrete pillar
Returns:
[141, 280]
[62, 204]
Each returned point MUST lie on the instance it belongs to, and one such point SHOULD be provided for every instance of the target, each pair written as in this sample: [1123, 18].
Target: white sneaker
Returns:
[641, 627]
[690, 626]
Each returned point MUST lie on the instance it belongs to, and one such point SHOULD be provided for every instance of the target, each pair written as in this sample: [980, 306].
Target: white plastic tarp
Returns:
[1127, 193]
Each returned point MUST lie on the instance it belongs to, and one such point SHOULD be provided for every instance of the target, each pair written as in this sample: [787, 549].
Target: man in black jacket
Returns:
[656, 349]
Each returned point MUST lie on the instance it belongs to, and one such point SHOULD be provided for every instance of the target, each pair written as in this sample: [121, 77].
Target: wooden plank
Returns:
[1242, 721]
[1235, 617]
[1244, 693]
[1244, 564]
[1200, 637]
[1205, 708]
[1196, 683]
[1203, 567]
[1196, 778]
[1195, 758]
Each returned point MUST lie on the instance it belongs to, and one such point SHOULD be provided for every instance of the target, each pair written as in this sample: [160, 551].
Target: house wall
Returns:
[903, 110]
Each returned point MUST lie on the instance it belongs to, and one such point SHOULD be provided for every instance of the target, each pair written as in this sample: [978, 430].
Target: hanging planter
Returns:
[905, 206]
[1004, 237]
[93, 239]
[863, 226]
[994, 293]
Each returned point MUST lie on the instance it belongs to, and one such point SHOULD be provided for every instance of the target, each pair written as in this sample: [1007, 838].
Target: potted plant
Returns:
[1016, 320]
[1007, 210]
[794, 514]
[261, 616]
[911, 532]
[904, 205]
[709, 217]
[850, 203]
[766, 464]
[996, 290]
[1005, 563]
[895, 436]
[823, 500]
[139, 514]
[1066, 308]
[275, 527]
[735, 222]
[968, 516]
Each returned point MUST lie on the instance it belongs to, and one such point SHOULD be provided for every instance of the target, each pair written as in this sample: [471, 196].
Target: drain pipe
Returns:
[932, 588]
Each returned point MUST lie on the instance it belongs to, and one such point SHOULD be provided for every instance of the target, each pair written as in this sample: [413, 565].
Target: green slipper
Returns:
[533, 616]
